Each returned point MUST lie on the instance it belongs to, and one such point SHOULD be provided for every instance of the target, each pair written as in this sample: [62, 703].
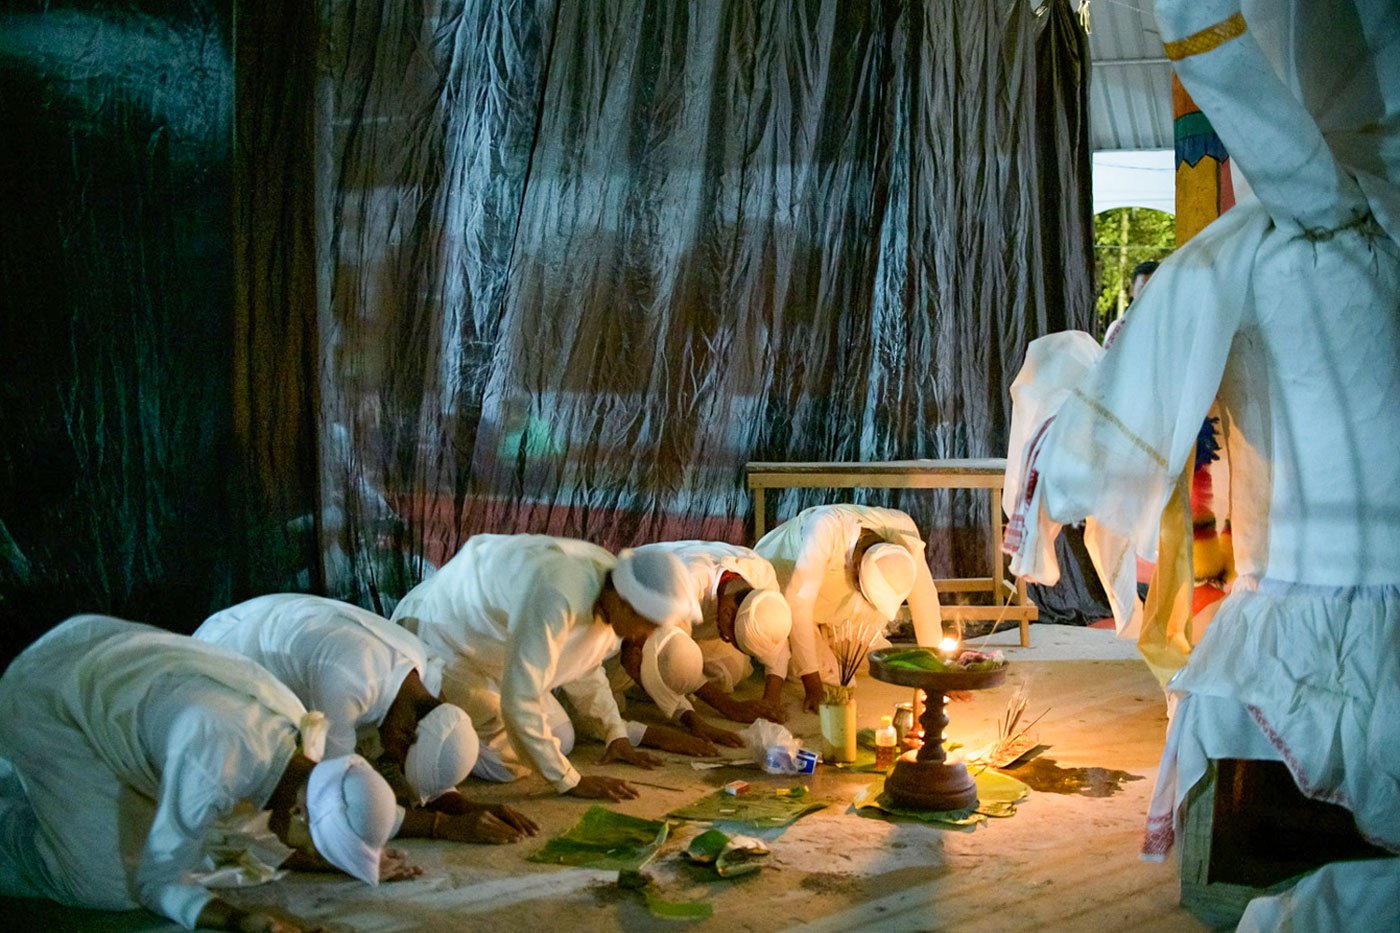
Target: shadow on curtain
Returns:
[585, 260]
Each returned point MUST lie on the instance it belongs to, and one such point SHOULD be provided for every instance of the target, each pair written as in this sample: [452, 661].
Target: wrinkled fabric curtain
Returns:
[587, 259]
[116, 492]
[299, 296]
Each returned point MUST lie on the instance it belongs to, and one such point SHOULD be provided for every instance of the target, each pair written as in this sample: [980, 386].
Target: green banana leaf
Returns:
[997, 796]
[759, 810]
[607, 840]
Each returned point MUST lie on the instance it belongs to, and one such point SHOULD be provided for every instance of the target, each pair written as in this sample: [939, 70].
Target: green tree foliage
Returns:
[1124, 237]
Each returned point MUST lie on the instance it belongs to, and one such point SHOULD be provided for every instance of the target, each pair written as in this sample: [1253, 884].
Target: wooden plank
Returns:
[834, 480]
[964, 585]
[986, 465]
[991, 613]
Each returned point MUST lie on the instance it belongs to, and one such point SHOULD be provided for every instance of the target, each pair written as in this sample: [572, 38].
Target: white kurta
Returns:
[340, 659]
[130, 743]
[811, 555]
[514, 614]
[707, 562]
[1288, 309]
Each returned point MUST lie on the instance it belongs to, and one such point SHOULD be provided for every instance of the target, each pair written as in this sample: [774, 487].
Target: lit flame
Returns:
[948, 645]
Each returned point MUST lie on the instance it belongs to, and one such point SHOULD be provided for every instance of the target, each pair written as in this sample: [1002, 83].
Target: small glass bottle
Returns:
[886, 745]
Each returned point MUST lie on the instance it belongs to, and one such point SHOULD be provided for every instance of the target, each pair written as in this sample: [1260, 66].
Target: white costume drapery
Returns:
[129, 744]
[811, 555]
[1287, 306]
[340, 659]
[513, 614]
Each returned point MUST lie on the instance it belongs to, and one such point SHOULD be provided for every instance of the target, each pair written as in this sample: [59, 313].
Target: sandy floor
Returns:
[1066, 861]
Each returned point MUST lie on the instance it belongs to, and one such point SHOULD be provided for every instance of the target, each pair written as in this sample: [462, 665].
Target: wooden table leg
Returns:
[1021, 601]
[997, 562]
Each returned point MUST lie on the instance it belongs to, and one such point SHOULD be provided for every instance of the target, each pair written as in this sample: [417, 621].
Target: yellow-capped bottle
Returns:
[886, 744]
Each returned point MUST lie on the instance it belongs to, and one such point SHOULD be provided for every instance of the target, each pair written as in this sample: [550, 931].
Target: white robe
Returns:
[707, 561]
[811, 555]
[514, 616]
[340, 659]
[130, 744]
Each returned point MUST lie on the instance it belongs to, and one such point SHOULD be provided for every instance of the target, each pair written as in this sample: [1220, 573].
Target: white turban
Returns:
[443, 752]
[672, 667]
[762, 625]
[886, 577]
[352, 813]
[656, 584]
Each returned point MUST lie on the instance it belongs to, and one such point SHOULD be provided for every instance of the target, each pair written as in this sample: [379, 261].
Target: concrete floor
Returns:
[1066, 861]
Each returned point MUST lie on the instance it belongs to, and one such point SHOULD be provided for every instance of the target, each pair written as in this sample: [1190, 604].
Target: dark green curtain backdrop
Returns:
[560, 266]
[116, 309]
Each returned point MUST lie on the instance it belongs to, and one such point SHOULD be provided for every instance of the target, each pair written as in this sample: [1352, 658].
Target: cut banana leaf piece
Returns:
[707, 846]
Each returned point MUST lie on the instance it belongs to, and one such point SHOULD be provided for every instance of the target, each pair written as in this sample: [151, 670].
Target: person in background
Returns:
[122, 746]
[848, 562]
[1141, 273]
[519, 616]
[368, 675]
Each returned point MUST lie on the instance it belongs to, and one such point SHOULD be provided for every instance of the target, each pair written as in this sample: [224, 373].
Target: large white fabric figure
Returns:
[127, 744]
[340, 659]
[514, 614]
[811, 555]
[707, 562]
[1286, 307]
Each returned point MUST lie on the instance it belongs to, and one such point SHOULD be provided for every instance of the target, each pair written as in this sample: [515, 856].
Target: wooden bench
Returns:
[1008, 598]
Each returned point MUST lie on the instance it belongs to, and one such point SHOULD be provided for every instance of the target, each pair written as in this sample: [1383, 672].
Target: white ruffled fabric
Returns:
[1343, 896]
[1319, 693]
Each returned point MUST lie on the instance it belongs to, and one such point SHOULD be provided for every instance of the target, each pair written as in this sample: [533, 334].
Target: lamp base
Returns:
[931, 785]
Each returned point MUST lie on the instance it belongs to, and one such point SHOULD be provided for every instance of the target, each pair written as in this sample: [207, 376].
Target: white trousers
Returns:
[22, 869]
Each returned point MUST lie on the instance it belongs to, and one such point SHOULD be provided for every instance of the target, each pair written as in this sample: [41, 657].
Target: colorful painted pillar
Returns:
[1203, 188]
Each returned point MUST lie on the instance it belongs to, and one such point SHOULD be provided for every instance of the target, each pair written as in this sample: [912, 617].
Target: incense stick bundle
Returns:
[1009, 728]
[850, 642]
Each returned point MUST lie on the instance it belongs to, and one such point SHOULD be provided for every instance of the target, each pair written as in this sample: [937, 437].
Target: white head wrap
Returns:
[672, 667]
[443, 752]
[887, 577]
[762, 625]
[352, 813]
[656, 584]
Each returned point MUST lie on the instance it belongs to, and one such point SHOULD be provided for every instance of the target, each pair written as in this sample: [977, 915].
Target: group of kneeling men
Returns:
[123, 746]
